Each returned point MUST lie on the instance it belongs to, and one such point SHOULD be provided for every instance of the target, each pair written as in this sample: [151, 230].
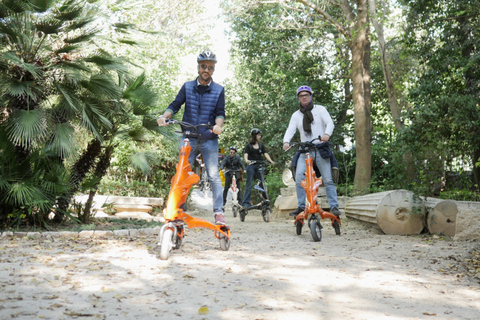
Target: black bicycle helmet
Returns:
[207, 56]
[233, 148]
[255, 131]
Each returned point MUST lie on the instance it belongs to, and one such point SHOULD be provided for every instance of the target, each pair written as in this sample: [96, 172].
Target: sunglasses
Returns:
[205, 67]
[304, 95]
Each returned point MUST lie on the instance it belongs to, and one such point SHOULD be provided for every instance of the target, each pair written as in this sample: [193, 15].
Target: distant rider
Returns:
[232, 162]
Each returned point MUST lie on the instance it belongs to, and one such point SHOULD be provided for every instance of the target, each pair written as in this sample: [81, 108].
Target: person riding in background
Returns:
[204, 104]
[254, 150]
[231, 162]
[312, 121]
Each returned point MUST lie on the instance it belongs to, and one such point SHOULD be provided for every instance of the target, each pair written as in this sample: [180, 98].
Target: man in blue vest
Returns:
[204, 103]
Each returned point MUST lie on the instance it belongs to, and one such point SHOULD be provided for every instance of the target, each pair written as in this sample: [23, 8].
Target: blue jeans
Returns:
[252, 171]
[209, 151]
[326, 172]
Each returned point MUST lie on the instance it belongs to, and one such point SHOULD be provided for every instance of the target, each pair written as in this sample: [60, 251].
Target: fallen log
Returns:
[397, 212]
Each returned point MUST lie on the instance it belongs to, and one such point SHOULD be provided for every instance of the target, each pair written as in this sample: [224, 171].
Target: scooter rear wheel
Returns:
[167, 244]
[316, 230]
[299, 225]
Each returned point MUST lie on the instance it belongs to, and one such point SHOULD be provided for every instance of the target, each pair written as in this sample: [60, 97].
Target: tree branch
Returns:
[328, 17]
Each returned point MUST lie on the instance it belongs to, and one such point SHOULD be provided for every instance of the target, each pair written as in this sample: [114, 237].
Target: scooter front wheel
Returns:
[316, 230]
[299, 225]
[336, 226]
[166, 244]
[224, 242]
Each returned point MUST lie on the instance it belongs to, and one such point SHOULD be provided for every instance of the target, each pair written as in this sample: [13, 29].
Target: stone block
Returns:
[286, 203]
[286, 192]
[49, 234]
[85, 234]
[133, 215]
[132, 207]
[100, 200]
[468, 221]
[6, 234]
[121, 233]
[102, 234]
[342, 202]
[67, 234]
[34, 235]
[19, 234]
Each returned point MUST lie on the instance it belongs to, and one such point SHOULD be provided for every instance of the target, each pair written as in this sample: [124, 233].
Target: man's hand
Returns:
[161, 121]
[286, 146]
[217, 129]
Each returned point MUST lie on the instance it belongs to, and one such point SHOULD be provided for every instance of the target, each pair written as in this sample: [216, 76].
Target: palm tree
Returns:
[53, 81]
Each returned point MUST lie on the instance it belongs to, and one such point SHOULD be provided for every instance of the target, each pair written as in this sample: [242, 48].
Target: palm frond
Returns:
[9, 7]
[69, 10]
[108, 63]
[66, 49]
[129, 42]
[102, 85]
[34, 69]
[41, 5]
[141, 161]
[137, 134]
[84, 37]
[69, 99]
[23, 193]
[63, 140]
[96, 111]
[70, 66]
[48, 25]
[27, 127]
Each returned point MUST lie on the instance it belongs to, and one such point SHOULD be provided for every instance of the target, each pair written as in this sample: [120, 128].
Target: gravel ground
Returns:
[268, 273]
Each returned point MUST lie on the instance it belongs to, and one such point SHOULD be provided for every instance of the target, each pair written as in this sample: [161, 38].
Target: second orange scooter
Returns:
[311, 184]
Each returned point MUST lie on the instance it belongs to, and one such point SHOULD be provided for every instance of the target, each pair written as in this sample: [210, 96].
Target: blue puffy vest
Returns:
[200, 108]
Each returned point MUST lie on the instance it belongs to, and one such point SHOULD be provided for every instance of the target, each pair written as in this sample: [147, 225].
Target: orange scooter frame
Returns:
[172, 232]
[311, 185]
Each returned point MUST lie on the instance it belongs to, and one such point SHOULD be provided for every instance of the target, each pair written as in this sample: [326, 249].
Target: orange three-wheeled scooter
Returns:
[172, 232]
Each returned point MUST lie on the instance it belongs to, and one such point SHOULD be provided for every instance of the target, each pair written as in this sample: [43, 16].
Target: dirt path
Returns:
[268, 273]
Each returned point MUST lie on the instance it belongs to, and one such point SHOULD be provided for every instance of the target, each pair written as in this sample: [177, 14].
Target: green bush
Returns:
[460, 195]
[134, 188]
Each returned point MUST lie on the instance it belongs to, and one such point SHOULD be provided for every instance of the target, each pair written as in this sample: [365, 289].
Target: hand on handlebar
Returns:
[286, 146]
[162, 121]
[217, 129]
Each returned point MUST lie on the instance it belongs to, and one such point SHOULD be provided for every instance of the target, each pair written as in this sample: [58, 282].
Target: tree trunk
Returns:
[100, 171]
[387, 73]
[476, 169]
[79, 171]
[363, 130]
